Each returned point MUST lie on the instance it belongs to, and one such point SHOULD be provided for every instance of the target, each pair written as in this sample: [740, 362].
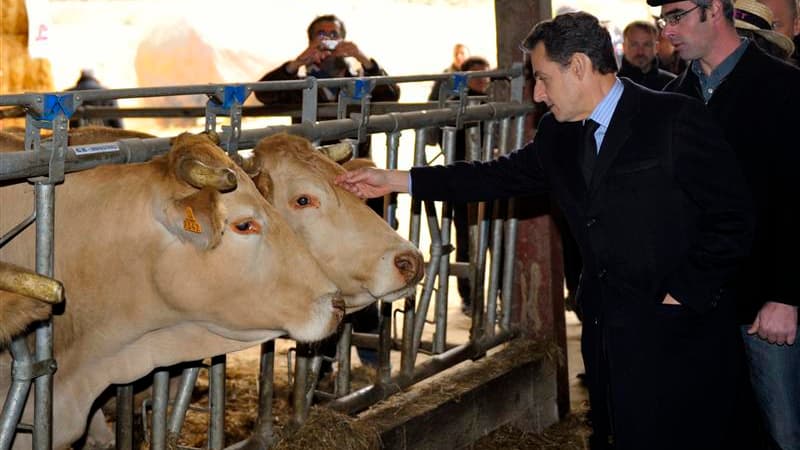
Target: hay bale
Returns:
[18, 71]
[13, 17]
[21, 73]
[327, 429]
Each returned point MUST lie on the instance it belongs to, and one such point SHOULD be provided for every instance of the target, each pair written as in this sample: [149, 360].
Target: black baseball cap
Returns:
[661, 2]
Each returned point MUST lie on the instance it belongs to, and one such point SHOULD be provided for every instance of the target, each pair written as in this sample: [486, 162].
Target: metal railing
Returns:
[47, 162]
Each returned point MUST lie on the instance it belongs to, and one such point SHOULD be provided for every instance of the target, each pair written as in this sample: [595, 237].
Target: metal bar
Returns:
[390, 201]
[363, 398]
[512, 224]
[309, 112]
[123, 427]
[158, 428]
[17, 393]
[407, 350]
[216, 402]
[440, 333]
[385, 343]
[15, 165]
[17, 229]
[327, 111]
[45, 197]
[343, 360]
[263, 435]
[482, 231]
[431, 272]
[214, 89]
[415, 222]
[183, 398]
[302, 367]
[495, 283]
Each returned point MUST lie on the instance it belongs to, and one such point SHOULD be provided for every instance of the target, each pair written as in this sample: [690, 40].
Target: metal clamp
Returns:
[27, 372]
[53, 112]
[455, 86]
[357, 91]
[228, 100]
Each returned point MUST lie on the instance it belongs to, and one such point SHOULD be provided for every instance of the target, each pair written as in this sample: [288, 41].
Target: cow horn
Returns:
[248, 164]
[200, 175]
[338, 152]
[30, 284]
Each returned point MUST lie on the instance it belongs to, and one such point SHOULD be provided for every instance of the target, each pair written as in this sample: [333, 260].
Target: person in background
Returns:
[662, 215]
[787, 22]
[87, 81]
[639, 60]
[327, 56]
[668, 58]
[754, 97]
[754, 20]
[460, 54]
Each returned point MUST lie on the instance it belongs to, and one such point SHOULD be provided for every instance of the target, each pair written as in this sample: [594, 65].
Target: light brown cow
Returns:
[365, 257]
[173, 260]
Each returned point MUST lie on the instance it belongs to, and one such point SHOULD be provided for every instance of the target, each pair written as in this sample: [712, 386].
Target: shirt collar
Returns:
[605, 109]
[719, 73]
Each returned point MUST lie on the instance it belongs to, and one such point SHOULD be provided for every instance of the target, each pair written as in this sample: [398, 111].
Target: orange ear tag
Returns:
[191, 224]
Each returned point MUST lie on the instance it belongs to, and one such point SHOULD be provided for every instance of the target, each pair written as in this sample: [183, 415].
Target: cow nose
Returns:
[409, 264]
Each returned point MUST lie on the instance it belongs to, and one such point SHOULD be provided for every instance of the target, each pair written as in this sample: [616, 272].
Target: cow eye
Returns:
[247, 226]
[305, 201]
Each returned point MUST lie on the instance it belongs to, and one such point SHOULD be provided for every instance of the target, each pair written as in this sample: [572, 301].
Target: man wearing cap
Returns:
[754, 97]
[661, 214]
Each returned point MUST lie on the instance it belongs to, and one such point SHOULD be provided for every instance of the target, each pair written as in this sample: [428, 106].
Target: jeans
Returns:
[775, 376]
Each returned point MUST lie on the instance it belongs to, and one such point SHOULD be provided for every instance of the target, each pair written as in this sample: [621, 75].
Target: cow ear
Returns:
[198, 219]
[265, 186]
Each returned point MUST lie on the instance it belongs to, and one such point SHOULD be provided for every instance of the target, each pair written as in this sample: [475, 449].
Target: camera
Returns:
[329, 44]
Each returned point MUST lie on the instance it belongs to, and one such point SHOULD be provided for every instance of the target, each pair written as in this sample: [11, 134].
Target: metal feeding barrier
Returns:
[45, 163]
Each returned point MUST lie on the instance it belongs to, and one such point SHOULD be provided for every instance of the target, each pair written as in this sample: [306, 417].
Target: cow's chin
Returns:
[320, 321]
[361, 300]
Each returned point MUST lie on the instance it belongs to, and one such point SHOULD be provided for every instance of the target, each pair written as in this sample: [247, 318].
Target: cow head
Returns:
[229, 258]
[365, 257]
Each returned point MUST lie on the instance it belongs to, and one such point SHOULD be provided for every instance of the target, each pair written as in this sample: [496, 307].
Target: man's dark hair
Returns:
[572, 33]
[472, 62]
[325, 18]
[727, 9]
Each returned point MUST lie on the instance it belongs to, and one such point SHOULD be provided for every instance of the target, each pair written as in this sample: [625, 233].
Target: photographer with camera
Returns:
[325, 58]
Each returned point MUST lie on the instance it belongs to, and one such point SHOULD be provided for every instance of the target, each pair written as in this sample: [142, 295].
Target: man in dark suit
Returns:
[755, 98]
[661, 215]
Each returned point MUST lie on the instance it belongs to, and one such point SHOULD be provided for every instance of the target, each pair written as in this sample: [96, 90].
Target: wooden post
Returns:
[538, 307]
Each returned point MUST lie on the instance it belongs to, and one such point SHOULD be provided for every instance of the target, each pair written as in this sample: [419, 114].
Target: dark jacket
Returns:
[756, 106]
[666, 211]
[654, 79]
[381, 93]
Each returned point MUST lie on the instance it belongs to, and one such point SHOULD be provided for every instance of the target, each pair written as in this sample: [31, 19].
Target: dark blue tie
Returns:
[589, 151]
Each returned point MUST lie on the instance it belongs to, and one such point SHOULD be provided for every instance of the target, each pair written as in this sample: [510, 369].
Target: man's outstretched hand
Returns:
[369, 182]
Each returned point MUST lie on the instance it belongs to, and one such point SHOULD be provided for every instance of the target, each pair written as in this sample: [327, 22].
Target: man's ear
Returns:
[198, 219]
[579, 64]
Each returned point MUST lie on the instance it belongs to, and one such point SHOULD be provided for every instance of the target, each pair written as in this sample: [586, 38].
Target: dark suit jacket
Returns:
[757, 107]
[667, 211]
